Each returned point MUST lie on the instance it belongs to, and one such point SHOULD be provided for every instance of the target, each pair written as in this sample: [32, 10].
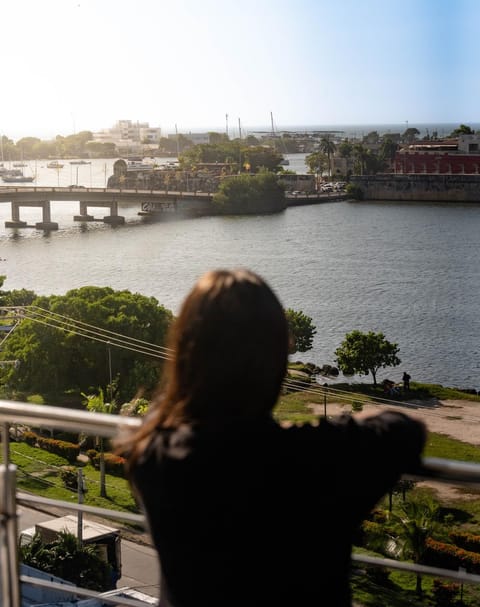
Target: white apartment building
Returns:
[130, 136]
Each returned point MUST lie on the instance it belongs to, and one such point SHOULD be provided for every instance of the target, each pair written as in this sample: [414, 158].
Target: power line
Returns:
[110, 338]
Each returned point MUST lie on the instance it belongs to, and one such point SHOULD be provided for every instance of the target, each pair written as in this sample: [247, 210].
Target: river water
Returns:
[409, 270]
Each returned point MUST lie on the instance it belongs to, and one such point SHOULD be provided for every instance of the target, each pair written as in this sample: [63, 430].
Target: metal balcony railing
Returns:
[105, 425]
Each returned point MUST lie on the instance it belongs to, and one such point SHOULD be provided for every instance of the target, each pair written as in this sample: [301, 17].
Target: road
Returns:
[139, 562]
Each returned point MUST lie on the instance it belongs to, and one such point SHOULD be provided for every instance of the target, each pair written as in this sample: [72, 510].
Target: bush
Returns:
[354, 191]
[448, 556]
[445, 593]
[465, 540]
[357, 406]
[69, 451]
[64, 558]
[378, 575]
[69, 476]
[114, 464]
[30, 438]
[92, 454]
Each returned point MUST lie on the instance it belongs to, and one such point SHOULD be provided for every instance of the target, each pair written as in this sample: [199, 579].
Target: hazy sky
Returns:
[79, 65]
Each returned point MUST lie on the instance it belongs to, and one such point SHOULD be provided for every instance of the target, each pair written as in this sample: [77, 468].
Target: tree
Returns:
[316, 162]
[58, 353]
[302, 331]
[388, 149]
[345, 149]
[417, 522]
[365, 353]
[361, 154]
[260, 193]
[97, 404]
[410, 134]
[328, 147]
[463, 129]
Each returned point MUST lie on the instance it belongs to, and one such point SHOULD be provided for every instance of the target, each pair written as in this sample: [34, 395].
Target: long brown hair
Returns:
[230, 349]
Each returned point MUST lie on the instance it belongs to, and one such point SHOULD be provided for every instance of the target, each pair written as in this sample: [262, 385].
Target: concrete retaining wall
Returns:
[423, 188]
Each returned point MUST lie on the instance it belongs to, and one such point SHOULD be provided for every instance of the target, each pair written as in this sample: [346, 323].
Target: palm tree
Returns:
[361, 156]
[328, 147]
[417, 521]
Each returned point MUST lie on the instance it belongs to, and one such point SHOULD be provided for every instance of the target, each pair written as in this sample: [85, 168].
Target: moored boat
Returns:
[54, 164]
[17, 179]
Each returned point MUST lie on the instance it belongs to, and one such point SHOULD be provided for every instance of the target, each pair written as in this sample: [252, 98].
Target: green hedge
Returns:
[467, 541]
[448, 556]
[70, 451]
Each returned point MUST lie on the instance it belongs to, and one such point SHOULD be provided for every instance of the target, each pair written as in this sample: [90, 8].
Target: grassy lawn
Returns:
[39, 472]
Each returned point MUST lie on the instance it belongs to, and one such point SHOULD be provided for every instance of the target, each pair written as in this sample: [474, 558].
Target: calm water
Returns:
[411, 271]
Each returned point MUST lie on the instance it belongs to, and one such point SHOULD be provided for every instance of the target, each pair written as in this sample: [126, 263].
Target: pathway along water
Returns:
[409, 270]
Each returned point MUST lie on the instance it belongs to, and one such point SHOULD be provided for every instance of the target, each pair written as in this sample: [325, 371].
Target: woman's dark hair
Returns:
[229, 356]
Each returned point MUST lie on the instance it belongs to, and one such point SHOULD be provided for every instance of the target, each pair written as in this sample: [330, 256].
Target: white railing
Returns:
[106, 425]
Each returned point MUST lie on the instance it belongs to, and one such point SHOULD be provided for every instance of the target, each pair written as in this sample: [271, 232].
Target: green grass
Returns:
[39, 473]
[439, 445]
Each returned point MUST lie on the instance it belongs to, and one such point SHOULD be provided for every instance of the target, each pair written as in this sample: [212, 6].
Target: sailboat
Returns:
[285, 161]
[16, 175]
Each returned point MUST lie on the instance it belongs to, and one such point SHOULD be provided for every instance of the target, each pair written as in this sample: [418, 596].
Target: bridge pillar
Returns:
[114, 218]
[16, 222]
[84, 216]
[46, 223]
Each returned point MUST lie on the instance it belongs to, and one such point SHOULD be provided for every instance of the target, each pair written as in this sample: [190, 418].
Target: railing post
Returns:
[9, 573]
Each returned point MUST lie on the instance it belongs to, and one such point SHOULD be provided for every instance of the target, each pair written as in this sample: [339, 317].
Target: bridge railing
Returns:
[98, 424]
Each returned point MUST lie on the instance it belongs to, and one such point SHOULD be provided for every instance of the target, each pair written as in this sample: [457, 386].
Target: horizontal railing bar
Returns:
[114, 600]
[102, 424]
[460, 576]
[26, 499]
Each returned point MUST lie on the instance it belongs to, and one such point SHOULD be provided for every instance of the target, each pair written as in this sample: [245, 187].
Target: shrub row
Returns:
[114, 464]
[465, 540]
[448, 556]
[68, 450]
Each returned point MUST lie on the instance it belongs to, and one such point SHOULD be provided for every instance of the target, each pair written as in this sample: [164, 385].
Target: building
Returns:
[130, 137]
[459, 156]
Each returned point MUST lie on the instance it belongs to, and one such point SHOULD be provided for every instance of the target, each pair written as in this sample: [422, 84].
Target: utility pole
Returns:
[239, 147]
[80, 490]
[226, 125]
[178, 149]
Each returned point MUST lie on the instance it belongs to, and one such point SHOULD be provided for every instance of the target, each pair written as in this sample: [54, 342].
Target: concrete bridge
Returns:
[151, 202]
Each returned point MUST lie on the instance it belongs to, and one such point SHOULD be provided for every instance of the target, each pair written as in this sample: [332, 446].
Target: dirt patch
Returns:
[458, 419]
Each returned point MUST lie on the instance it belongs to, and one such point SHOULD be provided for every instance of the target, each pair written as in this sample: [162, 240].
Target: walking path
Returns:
[459, 419]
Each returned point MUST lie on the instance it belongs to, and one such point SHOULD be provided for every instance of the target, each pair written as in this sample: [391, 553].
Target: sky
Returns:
[69, 66]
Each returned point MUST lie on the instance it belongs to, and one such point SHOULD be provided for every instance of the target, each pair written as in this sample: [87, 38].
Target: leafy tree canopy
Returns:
[365, 353]
[235, 153]
[302, 330]
[250, 194]
[463, 129]
[54, 360]
[64, 558]
[410, 134]
[316, 162]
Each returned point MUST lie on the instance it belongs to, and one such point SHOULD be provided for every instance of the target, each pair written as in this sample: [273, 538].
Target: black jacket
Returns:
[261, 515]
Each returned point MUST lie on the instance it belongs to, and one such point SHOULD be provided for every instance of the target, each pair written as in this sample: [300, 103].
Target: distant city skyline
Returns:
[84, 64]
